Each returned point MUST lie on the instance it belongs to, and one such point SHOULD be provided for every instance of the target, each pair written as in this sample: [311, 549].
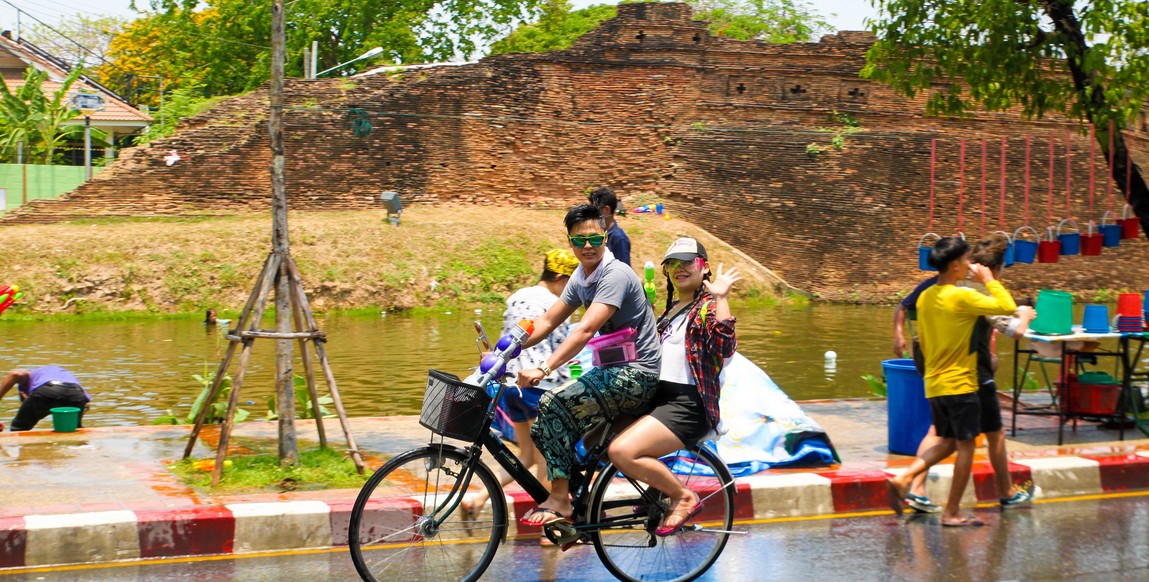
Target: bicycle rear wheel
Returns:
[393, 534]
[628, 511]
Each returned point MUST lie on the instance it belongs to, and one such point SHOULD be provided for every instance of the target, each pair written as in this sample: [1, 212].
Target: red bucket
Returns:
[1129, 304]
[1130, 225]
[1048, 249]
[1091, 241]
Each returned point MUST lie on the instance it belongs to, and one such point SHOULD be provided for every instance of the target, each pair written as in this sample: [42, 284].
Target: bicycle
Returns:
[410, 521]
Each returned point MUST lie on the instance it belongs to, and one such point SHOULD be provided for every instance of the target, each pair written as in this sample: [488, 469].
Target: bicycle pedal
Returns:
[571, 544]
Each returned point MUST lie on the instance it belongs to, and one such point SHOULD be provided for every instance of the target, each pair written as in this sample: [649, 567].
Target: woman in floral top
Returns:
[697, 332]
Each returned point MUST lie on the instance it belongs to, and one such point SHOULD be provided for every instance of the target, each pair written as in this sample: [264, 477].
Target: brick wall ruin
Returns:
[653, 105]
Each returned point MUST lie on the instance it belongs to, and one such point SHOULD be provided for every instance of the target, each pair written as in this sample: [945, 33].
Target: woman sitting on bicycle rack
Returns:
[614, 300]
[697, 332]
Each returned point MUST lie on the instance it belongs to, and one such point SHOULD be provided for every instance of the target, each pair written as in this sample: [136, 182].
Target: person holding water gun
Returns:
[612, 294]
[521, 405]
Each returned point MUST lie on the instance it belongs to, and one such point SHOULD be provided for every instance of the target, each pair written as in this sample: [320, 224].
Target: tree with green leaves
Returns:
[37, 122]
[78, 38]
[1085, 60]
[223, 47]
[775, 21]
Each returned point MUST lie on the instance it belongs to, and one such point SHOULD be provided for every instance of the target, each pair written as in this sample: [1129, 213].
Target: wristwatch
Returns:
[546, 369]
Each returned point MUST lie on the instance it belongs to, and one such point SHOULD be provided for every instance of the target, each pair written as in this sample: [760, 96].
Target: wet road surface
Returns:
[1099, 538]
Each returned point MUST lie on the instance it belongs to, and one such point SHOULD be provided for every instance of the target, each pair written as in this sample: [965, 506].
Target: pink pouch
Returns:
[614, 348]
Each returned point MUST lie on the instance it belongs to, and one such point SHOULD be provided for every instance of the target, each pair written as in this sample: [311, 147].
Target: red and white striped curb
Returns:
[37, 540]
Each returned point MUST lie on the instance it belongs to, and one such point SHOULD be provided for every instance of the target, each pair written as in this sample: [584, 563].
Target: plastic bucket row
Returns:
[1054, 244]
[924, 251]
[1055, 312]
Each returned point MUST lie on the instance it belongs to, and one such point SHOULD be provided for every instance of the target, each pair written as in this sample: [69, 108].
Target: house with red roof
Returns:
[109, 111]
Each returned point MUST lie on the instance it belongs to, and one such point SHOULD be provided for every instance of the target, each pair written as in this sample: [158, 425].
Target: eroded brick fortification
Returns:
[651, 104]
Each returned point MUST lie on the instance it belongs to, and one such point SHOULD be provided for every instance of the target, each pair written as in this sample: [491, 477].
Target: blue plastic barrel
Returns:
[908, 417]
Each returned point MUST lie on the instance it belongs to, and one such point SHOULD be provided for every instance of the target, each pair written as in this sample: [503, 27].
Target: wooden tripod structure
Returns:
[279, 271]
[276, 268]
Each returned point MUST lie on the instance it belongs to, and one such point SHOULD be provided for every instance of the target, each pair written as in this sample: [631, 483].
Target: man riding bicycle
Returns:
[623, 384]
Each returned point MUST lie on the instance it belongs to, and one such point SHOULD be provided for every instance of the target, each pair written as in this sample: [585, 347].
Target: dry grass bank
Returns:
[439, 256]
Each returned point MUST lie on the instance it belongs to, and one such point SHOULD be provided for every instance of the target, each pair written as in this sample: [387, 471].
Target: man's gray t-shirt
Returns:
[618, 286]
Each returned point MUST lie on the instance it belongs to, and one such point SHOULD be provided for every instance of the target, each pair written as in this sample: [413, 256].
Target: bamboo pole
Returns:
[305, 354]
[323, 363]
[244, 316]
[241, 370]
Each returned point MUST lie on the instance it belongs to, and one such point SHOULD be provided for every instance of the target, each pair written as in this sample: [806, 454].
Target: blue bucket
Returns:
[1070, 241]
[924, 252]
[1009, 257]
[1095, 319]
[908, 417]
[1025, 251]
[1110, 233]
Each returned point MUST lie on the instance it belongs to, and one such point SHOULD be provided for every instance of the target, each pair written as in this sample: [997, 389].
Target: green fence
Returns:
[31, 182]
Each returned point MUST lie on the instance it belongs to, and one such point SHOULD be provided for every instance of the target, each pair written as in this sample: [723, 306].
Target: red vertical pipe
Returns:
[1001, 209]
[961, 187]
[1109, 182]
[1128, 172]
[1049, 200]
[1068, 172]
[1027, 146]
[1092, 167]
[933, 174]
[981, 226]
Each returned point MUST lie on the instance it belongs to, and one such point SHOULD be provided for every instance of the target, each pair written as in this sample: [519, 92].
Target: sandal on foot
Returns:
[896, 499]
[469, 513]
[665, 530]
[552, 516]
[967, 521]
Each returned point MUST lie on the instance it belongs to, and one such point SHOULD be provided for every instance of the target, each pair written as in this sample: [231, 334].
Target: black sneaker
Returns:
[922, 504]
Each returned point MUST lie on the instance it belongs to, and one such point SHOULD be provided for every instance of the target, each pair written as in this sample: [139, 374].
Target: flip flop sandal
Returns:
[895, 498]
[664, 531]
[967, 521]
[553, 517]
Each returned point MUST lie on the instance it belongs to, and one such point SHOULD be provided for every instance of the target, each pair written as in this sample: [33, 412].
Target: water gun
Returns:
[8, 296]
[648, 286]
[494, 365]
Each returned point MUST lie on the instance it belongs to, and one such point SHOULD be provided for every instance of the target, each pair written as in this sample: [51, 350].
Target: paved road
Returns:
[1087, 539]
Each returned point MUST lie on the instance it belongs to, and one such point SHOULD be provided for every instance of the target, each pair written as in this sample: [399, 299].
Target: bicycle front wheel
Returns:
[627, 512]
[413, 520]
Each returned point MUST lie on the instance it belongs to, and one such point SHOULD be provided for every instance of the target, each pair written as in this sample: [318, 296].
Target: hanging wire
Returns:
[1001, 209]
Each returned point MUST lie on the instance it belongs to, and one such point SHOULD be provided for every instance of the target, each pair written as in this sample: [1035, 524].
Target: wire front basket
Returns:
[453, 408]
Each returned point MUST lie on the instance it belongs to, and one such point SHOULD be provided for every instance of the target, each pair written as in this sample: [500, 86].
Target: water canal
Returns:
[137, 371]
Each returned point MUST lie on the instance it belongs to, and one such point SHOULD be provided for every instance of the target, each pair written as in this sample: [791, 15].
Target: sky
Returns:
[842, 14]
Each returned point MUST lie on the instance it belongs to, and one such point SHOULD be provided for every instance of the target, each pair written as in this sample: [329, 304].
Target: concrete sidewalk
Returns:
[104, 494]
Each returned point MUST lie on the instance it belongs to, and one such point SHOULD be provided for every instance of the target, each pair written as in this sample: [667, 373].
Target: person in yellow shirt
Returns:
[947, 315]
